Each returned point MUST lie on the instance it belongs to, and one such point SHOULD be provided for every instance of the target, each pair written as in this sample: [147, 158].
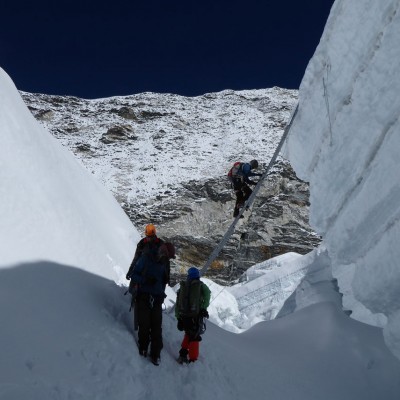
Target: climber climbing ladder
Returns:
[250, 200]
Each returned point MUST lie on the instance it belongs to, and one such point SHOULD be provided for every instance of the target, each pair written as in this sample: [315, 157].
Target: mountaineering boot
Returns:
[182, 360]
[155, 360]
[236, 213]
[143, 352]
[183, 356]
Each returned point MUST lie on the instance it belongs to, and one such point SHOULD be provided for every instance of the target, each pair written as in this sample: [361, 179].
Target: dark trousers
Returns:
[242, 192]
[150, 324]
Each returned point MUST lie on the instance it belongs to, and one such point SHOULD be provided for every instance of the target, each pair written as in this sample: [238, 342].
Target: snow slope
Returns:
[51, 208]
[66, 334]
[345, 141]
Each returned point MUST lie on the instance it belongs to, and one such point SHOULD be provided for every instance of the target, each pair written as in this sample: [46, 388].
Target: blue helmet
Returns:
[193, 273]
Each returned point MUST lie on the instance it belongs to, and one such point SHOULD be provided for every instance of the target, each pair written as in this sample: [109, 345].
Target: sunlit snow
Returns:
[345, 141]
[66, 332]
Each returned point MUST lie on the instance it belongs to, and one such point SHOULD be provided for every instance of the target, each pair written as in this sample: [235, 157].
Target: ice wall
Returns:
[345, 141]
[51, 207]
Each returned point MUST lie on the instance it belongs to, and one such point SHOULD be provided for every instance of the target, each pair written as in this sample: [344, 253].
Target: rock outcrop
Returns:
[165, 159]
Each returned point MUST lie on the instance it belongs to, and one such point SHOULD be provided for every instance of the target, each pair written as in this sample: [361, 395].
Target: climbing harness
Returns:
[250, 200]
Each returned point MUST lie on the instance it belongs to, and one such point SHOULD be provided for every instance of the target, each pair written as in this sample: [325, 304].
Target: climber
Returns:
[150, 240]
[150, 278]
[192, 300]
[239, 175]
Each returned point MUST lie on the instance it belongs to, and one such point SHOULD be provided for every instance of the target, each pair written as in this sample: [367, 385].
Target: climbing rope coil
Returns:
[250, 200]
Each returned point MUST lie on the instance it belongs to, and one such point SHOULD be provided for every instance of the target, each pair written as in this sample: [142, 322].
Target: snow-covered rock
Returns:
[165, 158]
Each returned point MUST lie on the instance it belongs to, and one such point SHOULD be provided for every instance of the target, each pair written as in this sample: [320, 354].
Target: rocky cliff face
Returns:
[165, 159]
[197, 219]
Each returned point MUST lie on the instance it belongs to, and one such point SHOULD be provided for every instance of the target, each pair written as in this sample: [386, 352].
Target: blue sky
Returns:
[98, 49]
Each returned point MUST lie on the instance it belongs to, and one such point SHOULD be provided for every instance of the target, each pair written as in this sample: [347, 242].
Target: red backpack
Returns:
[234, 170]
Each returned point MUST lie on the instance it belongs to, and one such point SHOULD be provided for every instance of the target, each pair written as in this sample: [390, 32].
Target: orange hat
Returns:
[150, 230]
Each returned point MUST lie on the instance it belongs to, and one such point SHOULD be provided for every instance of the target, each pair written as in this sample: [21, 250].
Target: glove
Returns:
[128, 276]
[204, 313]
[150, 280]
[180, 324]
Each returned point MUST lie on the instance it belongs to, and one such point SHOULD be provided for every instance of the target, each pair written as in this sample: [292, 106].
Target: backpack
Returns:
[188, 301]
[170, 249]
[151, 248]
[233, 172]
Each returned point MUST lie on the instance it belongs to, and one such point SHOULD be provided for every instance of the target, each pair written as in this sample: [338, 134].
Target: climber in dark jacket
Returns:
[150, 239]
[239, 177]
[150, 277]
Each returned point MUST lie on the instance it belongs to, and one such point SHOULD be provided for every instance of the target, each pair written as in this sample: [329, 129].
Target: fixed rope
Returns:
[250, 200]
[326, 96]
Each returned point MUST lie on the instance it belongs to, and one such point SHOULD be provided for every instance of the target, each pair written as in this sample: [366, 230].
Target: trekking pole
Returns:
[250, 200]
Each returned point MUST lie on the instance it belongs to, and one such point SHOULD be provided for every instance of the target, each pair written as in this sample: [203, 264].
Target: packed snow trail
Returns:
[79, 345]
[250, 200]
